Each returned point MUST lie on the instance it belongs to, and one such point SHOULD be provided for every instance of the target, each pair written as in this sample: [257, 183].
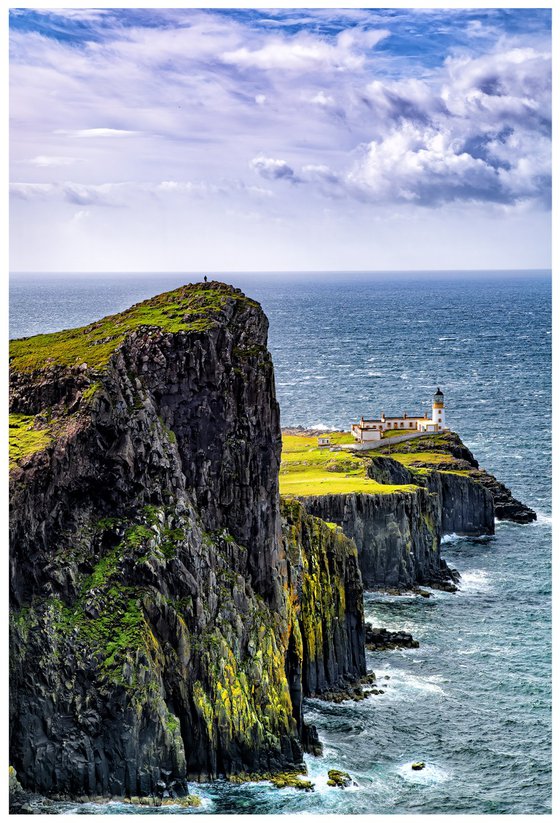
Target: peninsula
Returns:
[169, 610]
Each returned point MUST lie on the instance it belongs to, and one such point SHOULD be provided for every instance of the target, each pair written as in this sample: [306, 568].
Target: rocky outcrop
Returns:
[161, 626]
[506, 507]
[381, 639]
[398, 534]
[388, 471]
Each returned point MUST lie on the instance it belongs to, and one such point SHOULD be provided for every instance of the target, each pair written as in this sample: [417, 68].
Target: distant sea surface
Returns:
[474, 701]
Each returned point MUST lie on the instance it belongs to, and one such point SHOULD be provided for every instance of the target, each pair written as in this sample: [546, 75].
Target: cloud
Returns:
[187, 103]
[322, 99]
[272, 169]
[78, 15]
[127, 193]
[32, 191]
[98, 132]
[44, 161]
[78, 194]
[303, 52]
[81, 215]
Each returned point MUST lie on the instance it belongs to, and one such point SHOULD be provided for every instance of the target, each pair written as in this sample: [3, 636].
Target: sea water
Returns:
[474, 700]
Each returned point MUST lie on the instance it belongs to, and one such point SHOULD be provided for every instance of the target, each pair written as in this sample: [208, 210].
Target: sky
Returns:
[288, 140]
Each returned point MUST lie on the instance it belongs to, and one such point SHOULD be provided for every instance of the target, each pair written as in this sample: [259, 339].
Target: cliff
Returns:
[397, 535]
[396, 503]
[163, 625]
[326, 591]
[446, 453]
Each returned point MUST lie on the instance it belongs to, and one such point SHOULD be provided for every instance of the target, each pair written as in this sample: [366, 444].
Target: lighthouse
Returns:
[438, 411]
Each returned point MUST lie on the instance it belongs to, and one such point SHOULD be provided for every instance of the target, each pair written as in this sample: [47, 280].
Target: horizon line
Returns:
[202, 272]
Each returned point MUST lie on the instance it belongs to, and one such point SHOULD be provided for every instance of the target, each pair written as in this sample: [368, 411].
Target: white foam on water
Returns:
[475, 581]
[375, 374]
[404, 685]
[421, 684]
[453, 538]
[320, 427]
[542, 518]
[428, 775]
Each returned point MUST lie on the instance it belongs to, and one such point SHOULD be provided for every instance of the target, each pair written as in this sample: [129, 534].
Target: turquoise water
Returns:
[474, 700]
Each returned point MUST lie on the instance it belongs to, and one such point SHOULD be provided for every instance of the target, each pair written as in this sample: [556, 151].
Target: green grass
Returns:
[307, 470]
[423, 457]
[189, 308]
[25, 440]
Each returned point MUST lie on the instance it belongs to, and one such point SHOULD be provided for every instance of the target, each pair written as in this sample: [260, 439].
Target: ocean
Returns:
[474, 700]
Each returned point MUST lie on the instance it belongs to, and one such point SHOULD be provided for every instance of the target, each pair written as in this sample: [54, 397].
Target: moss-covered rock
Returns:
[338, 778]
[287, 780]
[327, 638]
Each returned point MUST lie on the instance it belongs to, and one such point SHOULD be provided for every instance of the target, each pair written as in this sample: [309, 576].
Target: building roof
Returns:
[409, 418]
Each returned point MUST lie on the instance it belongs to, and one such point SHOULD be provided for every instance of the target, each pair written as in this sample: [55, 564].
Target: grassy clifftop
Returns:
[444, 451]
[307, 470]
[189, 308]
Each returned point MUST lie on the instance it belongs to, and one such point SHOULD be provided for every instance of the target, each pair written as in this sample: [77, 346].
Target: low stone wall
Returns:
[386, 441]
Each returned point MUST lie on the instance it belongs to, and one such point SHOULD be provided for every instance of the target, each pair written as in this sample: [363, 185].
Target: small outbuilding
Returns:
[323, 440]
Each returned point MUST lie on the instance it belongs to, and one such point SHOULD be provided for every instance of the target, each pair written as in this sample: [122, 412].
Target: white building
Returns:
[370, 430]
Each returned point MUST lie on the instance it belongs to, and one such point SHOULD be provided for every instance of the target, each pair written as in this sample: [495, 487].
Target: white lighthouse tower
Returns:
[438, 410]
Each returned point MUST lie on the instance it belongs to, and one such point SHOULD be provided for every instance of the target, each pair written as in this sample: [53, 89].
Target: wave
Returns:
[542, 519]
[454, 538]
[403, 685]
[475, 581]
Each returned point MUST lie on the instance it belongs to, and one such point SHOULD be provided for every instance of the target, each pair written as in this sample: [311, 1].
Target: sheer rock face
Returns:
[465, 506]
[326, 589]
[160, 628]
[397, 534]
[174, 411]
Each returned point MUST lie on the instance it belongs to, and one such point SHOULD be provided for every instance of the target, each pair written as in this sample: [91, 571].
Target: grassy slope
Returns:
[307, 470]
[24, 438]
[189, 308]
